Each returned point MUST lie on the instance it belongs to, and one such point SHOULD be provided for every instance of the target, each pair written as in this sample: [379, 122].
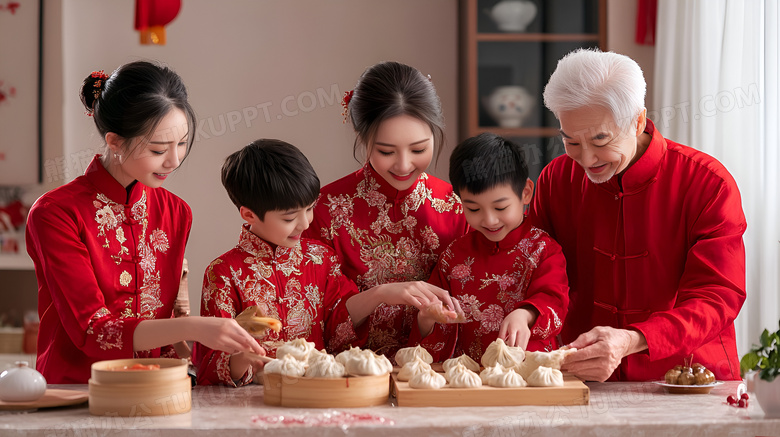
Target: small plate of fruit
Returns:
[689, 379]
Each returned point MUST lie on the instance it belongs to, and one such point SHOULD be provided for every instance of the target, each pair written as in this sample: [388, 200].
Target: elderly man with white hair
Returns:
[651, 230]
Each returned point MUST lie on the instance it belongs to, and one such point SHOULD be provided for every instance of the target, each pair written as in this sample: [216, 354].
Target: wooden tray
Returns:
[573, 392]
[347, 392]
[52, 398]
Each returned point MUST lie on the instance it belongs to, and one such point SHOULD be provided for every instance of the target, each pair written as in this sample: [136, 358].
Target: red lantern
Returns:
[151, 17]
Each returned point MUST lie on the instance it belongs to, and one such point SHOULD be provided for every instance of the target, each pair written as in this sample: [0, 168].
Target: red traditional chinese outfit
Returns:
[105, 260]
[657, 249]
[301, 286]
[492, 279]
[383, 235]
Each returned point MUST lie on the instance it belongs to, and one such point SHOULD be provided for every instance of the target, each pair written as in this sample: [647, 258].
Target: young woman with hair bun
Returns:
[108, 247]
[389, 221]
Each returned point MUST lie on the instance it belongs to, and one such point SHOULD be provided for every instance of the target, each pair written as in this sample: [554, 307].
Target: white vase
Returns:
[768, 395]
[509, 105]
[513, 15]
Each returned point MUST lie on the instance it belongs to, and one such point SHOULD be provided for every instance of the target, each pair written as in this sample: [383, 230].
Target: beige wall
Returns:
[621, 25]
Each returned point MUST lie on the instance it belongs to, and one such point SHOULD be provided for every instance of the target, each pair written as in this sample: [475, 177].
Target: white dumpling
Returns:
[316, 355]
[499, 352]
[461, 377]
[412, 368]
[486, 374]
[509, 378]
[343, 357]
[286, 366]
[463, 359]
[553, 360]
[545, 377]
[298, 348]
[428, 379]
[407, 354]
[368, 363]
[325, 367]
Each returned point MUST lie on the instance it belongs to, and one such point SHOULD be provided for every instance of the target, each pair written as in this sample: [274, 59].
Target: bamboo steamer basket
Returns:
[346, 392]
[129, 393]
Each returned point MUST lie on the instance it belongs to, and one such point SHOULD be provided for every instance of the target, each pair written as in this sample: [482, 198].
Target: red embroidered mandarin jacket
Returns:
[301, 286]
[383, 235]
[657, 249]
[105, 261]
[492, 279]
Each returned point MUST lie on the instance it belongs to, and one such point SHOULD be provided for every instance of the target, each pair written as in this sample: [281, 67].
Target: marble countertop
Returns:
[637, 409]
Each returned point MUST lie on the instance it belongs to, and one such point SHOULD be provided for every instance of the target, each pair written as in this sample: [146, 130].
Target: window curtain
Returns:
[716, 75]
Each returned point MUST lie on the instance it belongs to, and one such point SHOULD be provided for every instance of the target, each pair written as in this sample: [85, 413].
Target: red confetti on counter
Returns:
[328, 418]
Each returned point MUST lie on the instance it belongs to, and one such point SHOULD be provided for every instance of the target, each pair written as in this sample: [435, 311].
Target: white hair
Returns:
[587, 77]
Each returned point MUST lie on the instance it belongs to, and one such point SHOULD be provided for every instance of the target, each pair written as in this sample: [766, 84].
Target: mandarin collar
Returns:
[102, 180]
[645, 169]
[260, 248]
[510, 241]
[387, 189]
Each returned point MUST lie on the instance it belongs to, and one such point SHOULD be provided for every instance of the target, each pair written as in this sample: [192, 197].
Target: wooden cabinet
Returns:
[504, 69]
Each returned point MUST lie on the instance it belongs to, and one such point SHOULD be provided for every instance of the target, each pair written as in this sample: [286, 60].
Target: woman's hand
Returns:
[225, 335]
[516, 327]
[600, 350]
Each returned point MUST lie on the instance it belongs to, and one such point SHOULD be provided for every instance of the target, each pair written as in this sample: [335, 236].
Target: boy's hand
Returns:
[516, 327]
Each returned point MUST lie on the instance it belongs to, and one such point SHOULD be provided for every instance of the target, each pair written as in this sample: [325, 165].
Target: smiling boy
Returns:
[295, 280]
[509, 277]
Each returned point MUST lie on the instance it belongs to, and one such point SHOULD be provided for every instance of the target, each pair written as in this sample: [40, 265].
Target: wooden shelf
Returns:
[536, 37]
[521, 131]
[20, 261]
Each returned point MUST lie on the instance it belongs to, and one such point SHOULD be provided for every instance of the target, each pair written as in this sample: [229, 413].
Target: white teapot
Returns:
[509, 105]
[21, 384]
[513, 15]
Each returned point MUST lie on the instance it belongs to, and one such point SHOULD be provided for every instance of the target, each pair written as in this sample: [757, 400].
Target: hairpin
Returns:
[345, 103]
[98, 86]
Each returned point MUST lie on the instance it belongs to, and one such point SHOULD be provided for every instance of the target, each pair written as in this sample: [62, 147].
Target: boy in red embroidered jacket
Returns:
[293, 279]
[508, 276]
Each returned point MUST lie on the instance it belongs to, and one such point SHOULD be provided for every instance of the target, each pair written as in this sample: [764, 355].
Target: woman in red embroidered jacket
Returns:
[508, 277]
[651, 229]
[295, 280]
[390, 221]
[108, 247]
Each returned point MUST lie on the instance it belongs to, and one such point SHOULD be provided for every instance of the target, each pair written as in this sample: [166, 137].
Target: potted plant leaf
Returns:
[761, 366]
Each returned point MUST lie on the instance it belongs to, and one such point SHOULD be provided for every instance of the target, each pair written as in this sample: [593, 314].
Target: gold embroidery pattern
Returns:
[288, 259]
[410, 258]
[99, 314]
[109, 216]
[313, 295]
[111, 335]
[125, 278]
[299, 318]
[461, 272]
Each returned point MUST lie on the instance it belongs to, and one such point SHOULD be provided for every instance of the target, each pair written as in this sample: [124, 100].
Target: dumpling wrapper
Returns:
[368, 363]
[499, 353]
[461, 377]
[412, 368]
[463, 359]
[508, 378]
[286, 366]
[489, 372]
[326, 367]
[545, 377]
[298, 348]
[428, 379]
[407, 354]
[345, 356]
